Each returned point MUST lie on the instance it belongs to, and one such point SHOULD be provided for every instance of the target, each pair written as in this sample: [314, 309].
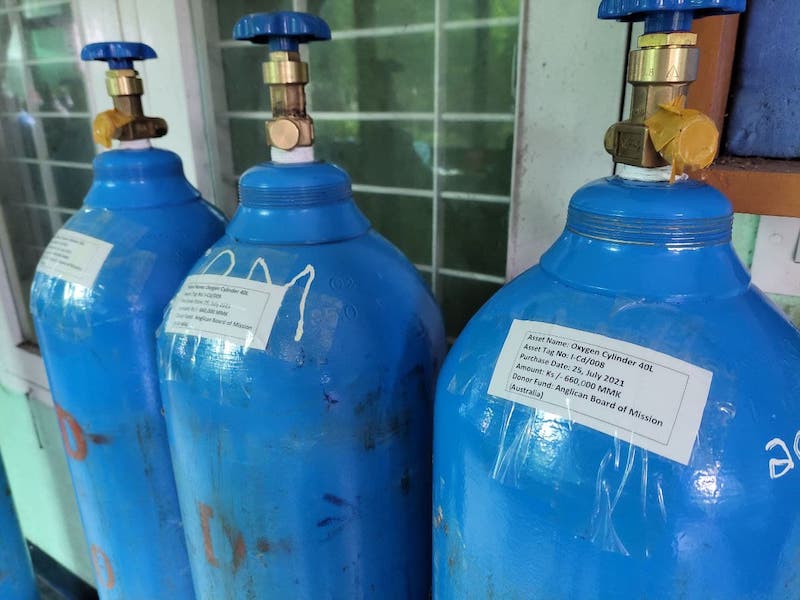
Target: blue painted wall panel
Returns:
[765, 103]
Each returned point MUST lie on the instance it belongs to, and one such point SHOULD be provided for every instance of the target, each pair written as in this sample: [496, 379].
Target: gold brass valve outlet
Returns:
[686, 138]
[126, 121]
[290, 126]
[660, 71]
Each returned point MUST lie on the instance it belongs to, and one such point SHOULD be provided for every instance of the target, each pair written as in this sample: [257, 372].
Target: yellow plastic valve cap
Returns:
[685, 137]
[106, 124]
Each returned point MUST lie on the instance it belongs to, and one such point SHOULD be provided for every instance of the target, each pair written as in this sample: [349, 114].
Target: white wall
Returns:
[572, 75]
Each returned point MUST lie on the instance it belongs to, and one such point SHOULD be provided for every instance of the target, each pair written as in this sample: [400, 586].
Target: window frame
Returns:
[218, 115]
[171, 85]
[22, 368]
[43, 163]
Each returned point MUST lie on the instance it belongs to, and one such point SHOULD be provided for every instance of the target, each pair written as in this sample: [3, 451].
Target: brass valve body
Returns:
[660, 71]
[126, 89]
[290, 126]
[124, 82]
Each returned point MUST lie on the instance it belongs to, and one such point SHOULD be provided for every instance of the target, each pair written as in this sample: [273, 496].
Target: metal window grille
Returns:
[436, 269]
[45, 135]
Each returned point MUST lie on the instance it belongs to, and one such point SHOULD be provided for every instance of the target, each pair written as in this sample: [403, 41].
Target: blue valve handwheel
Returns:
[667, 15]
[118, 55]
[281, 30]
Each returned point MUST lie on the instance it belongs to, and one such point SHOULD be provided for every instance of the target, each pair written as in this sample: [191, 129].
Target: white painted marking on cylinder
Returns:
[226, 252]
[787, 464]
[309, 270]
[260, 262]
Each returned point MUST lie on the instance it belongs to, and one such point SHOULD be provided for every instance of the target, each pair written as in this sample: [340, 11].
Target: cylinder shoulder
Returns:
[149, 251]
[359, 299]
[363, 263]
[718, 334]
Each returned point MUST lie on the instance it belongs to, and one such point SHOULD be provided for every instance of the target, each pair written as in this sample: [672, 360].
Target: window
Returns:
[46, 145]
[416, 101]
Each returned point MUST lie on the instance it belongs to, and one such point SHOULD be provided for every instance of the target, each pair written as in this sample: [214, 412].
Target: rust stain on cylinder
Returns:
[206, 513]
[100, 439]
[237, 546]
[66, 420]
[105, 576]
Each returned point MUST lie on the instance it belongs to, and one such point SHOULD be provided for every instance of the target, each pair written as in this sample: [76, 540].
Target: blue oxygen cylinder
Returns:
[17, 581]
[297, 365]
[621, 421]
[97, 299]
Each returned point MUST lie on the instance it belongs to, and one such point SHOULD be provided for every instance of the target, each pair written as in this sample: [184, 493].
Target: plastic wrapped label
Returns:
[633, 393]
[233, 309]
[74, 257]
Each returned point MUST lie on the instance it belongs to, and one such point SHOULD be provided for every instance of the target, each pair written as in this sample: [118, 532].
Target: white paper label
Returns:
[636, 394]
[233, 309]
[74, 257]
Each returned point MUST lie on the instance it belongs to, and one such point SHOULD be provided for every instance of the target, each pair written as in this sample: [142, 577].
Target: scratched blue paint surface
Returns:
[16, 575]
[529, 505]
[98, 345]
[304, 469]
[765, 95]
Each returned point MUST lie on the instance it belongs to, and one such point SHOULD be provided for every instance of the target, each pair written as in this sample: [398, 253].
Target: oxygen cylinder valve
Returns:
[126, 121]
[660, 130]
[284, 72]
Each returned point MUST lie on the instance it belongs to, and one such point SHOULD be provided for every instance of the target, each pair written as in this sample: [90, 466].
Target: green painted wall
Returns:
[30, 443]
